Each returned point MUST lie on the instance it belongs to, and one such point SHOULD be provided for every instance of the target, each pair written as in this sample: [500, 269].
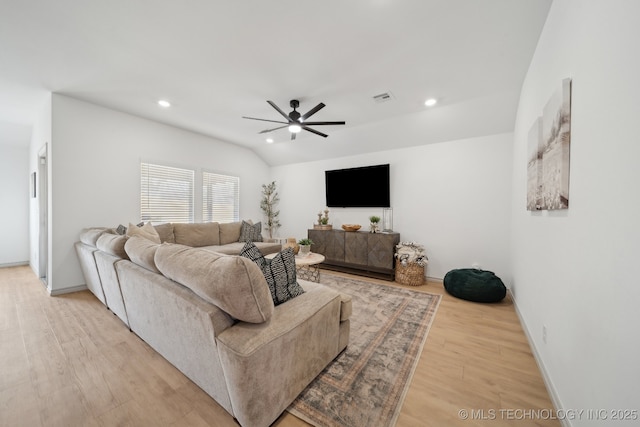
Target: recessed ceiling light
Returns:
[164, 103]
[270, 140]
[430, 102]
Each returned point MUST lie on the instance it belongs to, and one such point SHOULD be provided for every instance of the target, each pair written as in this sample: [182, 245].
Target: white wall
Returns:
[95, 163]
[453, 197]
[14, 204]
[574, 270]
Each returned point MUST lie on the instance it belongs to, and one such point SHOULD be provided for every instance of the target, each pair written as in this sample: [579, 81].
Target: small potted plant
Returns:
[305, 246]
[323, 221]
[374, 220]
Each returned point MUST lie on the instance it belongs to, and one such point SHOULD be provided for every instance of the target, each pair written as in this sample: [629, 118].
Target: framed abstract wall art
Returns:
[548, 164]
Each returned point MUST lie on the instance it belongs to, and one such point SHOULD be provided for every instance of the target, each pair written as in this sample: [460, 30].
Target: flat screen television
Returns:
[363, 187]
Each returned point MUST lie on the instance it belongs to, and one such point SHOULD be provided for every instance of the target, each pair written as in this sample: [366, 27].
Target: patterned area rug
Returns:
[366, 384]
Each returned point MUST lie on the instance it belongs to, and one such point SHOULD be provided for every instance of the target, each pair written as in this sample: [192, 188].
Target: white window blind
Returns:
[166, 193]
[220, 198]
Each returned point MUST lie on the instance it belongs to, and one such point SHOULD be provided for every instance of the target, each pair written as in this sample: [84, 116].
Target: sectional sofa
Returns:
[100, 248]
[211, 314]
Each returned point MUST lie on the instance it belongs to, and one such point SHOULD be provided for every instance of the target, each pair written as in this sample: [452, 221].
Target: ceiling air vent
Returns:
[383, 97]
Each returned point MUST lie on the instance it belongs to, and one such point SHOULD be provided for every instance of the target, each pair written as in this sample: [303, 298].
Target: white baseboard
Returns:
[553, 393]
[73, 289]
[14, 264]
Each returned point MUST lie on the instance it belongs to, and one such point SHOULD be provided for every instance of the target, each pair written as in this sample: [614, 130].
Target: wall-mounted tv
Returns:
[363, 187]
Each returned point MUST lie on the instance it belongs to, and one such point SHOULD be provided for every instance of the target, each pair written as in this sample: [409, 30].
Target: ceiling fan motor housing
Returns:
[294, 115]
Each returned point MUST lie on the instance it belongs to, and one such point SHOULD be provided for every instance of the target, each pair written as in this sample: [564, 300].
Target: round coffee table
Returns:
[307, 267]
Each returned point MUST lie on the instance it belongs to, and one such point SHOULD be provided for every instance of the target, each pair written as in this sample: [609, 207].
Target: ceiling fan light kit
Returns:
[296, 122]
[430, 102]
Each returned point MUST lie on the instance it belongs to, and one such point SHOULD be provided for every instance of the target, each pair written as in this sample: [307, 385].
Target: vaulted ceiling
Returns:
[217, 61]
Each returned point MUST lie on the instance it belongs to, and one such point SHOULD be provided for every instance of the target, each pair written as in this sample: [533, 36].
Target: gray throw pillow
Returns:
[250, 232]
[280, 272]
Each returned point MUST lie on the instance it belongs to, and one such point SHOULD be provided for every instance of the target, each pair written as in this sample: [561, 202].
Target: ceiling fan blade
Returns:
[312, 111]
[323, 123]
[293, 136]
[282, 113]
[264, 120]
[271, 130]
[314, 131]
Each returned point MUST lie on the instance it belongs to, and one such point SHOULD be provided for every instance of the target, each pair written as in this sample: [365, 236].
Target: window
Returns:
[220, 198]
[166, 193]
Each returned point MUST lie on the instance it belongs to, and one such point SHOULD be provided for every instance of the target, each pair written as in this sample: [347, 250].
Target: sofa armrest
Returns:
[283, 354]
[106, 264]
[89, 268]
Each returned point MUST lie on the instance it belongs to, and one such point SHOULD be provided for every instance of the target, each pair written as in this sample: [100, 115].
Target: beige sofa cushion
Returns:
[198, 234]
[113, 244]
[89, 236]
[235, 248]
[142, 252]
[147, 231]
[234, 284]
[165, 231]
[230, 232]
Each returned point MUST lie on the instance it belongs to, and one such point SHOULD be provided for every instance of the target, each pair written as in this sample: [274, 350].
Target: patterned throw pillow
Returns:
[250, 232]
[280, 272]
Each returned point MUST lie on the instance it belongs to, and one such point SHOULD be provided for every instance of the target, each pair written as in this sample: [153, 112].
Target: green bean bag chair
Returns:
[475, 285]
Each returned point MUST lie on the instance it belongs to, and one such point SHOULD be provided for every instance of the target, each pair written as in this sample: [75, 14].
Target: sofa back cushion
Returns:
[142, 252]
[112, 244]
[146, 230]
[197, 235]
[165, 231]
[89, 236]
[230, 232]
[234, 284]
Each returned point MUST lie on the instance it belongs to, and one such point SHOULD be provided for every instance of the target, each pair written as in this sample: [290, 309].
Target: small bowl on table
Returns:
[351, 227]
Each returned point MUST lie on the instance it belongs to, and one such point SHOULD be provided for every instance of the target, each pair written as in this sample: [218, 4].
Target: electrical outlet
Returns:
[544, 334]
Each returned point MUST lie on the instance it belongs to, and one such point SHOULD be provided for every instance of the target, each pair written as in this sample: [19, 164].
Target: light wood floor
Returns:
[67, 361]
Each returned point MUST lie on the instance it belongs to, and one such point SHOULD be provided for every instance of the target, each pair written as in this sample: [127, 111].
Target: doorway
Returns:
[43, 215]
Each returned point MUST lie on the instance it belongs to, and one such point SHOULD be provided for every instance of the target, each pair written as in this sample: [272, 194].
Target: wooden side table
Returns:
[307, 267]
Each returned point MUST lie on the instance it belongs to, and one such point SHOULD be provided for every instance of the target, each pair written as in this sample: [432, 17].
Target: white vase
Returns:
[305, 250]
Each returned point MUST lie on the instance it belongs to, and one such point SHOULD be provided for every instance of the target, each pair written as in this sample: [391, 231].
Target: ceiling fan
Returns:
[295, 121]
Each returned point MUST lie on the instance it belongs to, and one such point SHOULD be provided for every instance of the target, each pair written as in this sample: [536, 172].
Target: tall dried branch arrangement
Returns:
[268, 204]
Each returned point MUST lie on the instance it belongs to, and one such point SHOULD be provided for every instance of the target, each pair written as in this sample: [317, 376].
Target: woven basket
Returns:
[411, 274]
